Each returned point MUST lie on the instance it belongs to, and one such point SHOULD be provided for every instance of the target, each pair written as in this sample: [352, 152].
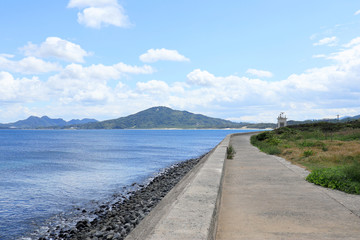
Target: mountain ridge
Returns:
[162, 117]
[34, 122]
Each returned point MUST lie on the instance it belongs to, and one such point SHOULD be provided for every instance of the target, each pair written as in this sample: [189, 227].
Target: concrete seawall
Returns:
[189, 210]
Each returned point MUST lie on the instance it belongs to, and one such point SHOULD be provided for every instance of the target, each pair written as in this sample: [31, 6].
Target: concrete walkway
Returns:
[263, 197]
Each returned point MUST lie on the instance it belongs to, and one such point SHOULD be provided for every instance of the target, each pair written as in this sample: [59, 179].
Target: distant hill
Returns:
[329, 120]
[351, 118]
[162, 117]
[261, 125]
[82, 121]
[33, 122]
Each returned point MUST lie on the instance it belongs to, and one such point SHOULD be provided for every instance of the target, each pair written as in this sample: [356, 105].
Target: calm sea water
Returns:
[46, 172]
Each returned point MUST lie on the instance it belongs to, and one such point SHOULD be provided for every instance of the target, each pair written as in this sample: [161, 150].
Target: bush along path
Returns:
[230, 152]
[331, 151]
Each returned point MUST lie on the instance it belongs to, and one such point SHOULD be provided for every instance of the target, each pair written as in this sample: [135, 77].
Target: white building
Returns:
[282, 120]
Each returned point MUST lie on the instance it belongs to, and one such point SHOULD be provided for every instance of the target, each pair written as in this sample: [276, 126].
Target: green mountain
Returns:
[162, 117]
[33, 122]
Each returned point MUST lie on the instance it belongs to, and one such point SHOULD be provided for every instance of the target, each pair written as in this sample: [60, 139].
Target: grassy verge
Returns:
[330, 151]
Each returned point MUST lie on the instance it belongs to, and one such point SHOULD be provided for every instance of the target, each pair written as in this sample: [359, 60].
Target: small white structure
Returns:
[281, 120]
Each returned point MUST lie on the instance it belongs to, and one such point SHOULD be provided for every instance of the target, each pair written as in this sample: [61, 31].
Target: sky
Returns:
[244, 61]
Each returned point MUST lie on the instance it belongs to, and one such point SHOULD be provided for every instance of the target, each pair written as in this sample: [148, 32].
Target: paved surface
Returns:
[263, 197]
[188, 211]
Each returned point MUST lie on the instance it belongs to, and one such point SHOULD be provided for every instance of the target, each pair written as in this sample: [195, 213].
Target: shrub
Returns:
[273, 141]
[230, 152]
[253, 140]
[284, 130]
[267, 146]
[272, 150]
[353, 171]
[263, 136]
[336, 178]
[308, 153]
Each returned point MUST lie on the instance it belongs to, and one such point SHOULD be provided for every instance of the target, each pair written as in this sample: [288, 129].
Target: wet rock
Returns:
[99, 234]
[83, 225]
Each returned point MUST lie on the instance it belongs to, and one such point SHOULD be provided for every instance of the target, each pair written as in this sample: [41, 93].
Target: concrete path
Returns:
[263, 197]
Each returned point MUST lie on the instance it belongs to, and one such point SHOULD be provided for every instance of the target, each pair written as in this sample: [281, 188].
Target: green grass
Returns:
[308, 153]
[331, 151]
[311, 143]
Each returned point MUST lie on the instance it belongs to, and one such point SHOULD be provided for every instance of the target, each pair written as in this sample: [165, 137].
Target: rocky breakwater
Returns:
[116, 220]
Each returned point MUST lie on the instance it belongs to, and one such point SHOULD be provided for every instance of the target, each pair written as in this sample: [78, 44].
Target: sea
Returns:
[46, 174]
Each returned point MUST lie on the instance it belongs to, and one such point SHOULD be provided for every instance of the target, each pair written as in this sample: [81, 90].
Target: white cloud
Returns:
[89, 85]
[158, 88]
[146, 69]
[4, 55]
[92, 3]
[94, 72]
[86, 85]
[201, 78]
[28, 65]
[357, 12]
[353, 42]
[259, 73]
[329, 41]
[153, 86]
[154, 55]
[319, 56]
[349, 57]
[55, 47]
[99, 13]
[20, 90]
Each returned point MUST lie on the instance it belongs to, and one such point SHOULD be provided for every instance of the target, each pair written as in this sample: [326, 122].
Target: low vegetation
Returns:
[331, 151]
[230, 152]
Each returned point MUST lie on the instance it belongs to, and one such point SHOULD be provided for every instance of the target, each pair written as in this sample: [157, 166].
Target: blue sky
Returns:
[238, 60]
